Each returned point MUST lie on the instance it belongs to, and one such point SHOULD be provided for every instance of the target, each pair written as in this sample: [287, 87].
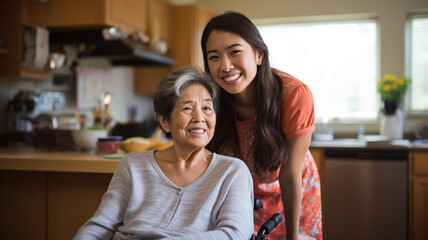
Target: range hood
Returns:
[120, 52]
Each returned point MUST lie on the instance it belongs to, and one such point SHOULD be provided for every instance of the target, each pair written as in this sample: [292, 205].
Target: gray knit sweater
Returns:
[142, 203]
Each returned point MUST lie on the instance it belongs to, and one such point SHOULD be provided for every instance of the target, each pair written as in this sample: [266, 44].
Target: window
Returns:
[337, 60]
[418, 64]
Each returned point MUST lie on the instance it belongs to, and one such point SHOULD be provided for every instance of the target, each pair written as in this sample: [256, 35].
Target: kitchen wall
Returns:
[390, 13]
[119, 83]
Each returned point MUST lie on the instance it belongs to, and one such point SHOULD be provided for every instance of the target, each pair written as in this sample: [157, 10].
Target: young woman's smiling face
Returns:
[231, 61]
[192, 121]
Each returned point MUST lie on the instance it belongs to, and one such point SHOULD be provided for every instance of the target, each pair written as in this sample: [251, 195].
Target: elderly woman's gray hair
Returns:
[169, 89]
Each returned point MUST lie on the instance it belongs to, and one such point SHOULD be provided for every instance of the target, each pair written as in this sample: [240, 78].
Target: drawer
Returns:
[420, 162]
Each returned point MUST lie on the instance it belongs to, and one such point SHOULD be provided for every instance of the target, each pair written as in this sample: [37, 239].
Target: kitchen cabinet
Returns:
[129, 15]
[189, 23]
[22, 205]
[318, 155]
[49, 194]
[48, 205]
[75, 195]
[146, 79]
[418, 186]
[13, 18]
[148, 16]
[162, 16]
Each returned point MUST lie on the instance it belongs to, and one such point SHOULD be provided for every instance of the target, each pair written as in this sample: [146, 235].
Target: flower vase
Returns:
[390, 106]
[391, 125]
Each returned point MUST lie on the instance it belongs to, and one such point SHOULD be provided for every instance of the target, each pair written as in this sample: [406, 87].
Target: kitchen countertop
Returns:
[30, 159]
[402, 144]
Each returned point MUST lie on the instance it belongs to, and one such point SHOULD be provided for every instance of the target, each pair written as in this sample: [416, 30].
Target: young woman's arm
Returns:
[290, 180]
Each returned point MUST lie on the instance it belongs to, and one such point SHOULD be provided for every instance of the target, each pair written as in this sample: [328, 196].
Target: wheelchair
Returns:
[269, 225]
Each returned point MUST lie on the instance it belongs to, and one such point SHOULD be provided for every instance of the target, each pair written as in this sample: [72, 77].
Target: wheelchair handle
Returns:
[267, 227]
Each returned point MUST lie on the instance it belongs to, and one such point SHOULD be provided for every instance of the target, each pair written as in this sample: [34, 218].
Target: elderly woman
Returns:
[182, 192]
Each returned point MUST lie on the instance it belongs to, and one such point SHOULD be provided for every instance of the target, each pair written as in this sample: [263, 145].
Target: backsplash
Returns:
[119, 84]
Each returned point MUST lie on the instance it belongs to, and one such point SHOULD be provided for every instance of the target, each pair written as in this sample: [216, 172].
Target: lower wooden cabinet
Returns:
[418, 190]
[72, 198]
[48, 205]
[418, 185]
[53, 205]
[23, 205]
[318, 155]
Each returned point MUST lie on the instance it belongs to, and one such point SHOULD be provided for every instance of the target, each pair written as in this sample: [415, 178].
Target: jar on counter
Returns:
[108, 145]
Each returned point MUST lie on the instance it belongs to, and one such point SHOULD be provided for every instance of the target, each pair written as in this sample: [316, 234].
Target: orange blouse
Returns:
[298, 107]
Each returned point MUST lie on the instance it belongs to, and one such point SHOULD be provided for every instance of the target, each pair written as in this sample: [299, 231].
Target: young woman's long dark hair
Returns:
[269, 141]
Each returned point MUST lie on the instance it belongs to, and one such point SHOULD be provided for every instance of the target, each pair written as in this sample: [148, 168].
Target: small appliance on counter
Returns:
[19, 114]
[32, 115]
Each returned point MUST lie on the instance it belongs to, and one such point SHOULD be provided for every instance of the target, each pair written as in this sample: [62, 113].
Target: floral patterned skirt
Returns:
[310, 214]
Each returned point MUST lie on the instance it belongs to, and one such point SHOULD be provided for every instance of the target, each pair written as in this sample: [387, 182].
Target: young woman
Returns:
[266, 119]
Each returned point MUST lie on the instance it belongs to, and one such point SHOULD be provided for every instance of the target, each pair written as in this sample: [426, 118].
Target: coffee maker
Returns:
[19, 113]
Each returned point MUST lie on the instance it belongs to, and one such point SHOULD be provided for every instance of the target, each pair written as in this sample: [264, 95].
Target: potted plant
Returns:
[391, 89]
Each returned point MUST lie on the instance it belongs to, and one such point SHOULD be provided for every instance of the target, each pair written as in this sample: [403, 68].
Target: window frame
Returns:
[408, 63]
[350, 18]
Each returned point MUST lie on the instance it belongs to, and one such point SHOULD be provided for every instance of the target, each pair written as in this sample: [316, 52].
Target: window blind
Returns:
[419, 63]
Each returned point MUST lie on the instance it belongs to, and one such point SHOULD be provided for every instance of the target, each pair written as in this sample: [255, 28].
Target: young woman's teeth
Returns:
[231, 78]
[197, 130]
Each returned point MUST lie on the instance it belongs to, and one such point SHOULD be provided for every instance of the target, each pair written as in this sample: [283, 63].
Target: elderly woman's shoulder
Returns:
[138, 156]
[229, 161]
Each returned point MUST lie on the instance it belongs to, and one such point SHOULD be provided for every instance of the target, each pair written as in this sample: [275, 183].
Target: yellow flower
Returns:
[389, 77]
[386, 88]
[391, 87]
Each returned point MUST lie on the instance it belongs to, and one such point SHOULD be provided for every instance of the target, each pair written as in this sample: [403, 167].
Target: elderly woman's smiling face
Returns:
[193, 118]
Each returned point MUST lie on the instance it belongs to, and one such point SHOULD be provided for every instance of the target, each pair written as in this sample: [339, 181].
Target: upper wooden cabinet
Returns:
[161, 19]
[161, 27]
[189, 23]
[13, 19]
[151, 17]
[129, 15]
